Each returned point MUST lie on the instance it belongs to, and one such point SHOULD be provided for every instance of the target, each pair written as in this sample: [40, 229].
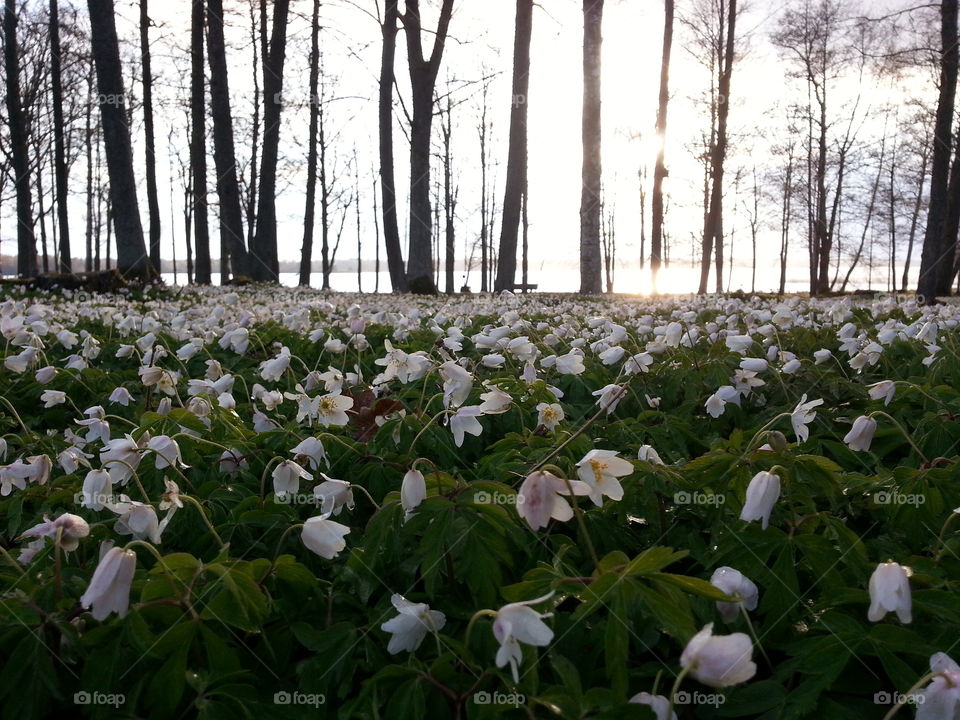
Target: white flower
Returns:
[890, 592]
[45, 374]
[457, 383]
[735, 583]
[648, 454]
[753, 364]
[719, 660]
[53, 397]
[333, 494]
[137, 519]
[274, 368]
[413, 491]
[571, 364]
[465, 421]
[762, 494]
[72, 458]
[884, 390]
[493, 360]
[538, 498]
[495, 401]
[332, 408]
[232, 461]
[517, 623]
[739, 343]
[70, 527]
[109, 589]
[610, 396]
[411, 626]
[167, 452]
[600, 469]
[311, 450]
[549, 415]
[822, 356]
[120, 453]
[804, 414]
[286, 478]
[97, 489]
[861, 434]
[658, 703]
[324, 537]
[941, 698]
[717, 403]
[120, 396]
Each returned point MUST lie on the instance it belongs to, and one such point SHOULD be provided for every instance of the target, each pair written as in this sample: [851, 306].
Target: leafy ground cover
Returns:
[278, 503]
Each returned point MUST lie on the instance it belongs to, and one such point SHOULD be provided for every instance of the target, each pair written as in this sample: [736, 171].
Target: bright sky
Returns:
[482, 41]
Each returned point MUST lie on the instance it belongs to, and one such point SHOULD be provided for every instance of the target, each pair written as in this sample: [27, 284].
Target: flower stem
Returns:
[676, 688]
[196, 503]
[905, 698]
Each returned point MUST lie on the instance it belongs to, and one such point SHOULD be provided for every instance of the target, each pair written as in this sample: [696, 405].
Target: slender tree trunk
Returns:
[42, 220]
[449, 199]
[590, 277]
[153, 203]
[951, 227]
[714, 229]
[915, 216]
[306, 253]
[250, 202]
[89, 141]
[484, 258]
[131, 250]
[391, 232]
[423, 77]
[26, 242]
[224, 153]
[937, 215]
[198, 146]
[264, 251]
[376, 238]
[660, 170]
[517, 150]
[60, 162]
[326, 265]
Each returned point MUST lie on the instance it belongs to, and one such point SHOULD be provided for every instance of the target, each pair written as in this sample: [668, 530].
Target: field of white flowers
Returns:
[277, 503]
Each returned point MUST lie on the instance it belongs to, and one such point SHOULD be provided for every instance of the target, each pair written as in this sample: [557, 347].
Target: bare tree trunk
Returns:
[391, 232]
[423, 76]
[42, 220]
[153, 204]
[786, 219]
[356, 209]
[250, 202]
[915, 216]
[376, 237]
[660, 170]
[89, 140]
[482, 132]
[198, 146]
[62, 177]
[224, 153]
[26, 242]
[264, 251]
[326, 261]
[714, 229]
[590, 281]
[449, 196]
[933, 250]
[517, 149]
[131, 249]
[306, 253]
